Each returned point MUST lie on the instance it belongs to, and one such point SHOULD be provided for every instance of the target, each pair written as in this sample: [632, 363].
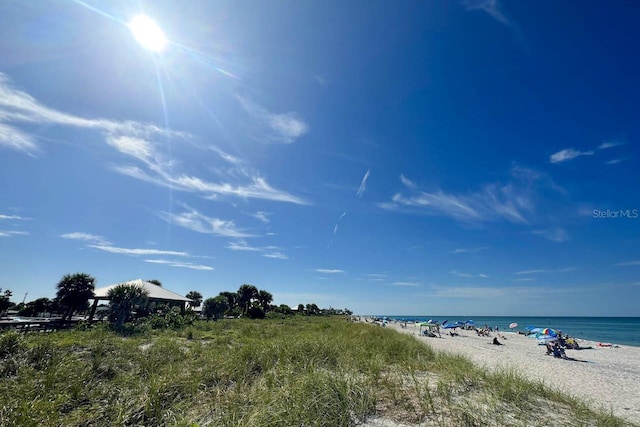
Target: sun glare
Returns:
[148, 33]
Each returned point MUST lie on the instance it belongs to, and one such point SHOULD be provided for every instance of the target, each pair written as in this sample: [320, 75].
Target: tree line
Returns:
[74, 291]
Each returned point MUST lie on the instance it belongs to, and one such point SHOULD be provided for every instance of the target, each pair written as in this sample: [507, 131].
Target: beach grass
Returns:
[302, 371]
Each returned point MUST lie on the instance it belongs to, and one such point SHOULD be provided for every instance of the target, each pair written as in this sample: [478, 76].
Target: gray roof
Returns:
[154, 292]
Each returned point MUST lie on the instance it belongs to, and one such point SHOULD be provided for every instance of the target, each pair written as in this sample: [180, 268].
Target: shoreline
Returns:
[623, 333]
[604, 377]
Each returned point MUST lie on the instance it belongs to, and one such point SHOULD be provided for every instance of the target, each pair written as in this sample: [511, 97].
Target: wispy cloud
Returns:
[10, 233]
[179, 264]
[513, 201]
[490, 7]
[130, 251]
[568, 154]
[138, 148]
[140, 142]
[262, 216]
[274, 127]
[241, 245]
[614, 161]
[627, 263]
[18, 106]
[13, 217]
[412, 284]
[275, 255]
[540, 271]
[469, 250]
[198, 222]
[609, 144]
[86, 237]
[556, 234]
[328, 271]
[363, 184]
[257, 188]
[15, 139]
[226, 156]
[272, 252]
[468, 275]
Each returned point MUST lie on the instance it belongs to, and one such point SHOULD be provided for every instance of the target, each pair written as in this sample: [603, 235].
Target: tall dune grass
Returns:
[296, 372]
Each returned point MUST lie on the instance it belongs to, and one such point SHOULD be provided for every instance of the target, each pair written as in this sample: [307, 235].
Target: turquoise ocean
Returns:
[615, 330]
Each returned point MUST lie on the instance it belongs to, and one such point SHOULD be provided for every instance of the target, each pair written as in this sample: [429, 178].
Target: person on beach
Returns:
[495, 341]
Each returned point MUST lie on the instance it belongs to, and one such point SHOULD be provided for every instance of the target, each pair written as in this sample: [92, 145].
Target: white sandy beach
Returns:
[609, 379]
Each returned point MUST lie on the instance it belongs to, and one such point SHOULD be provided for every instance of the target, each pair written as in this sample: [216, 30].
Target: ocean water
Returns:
[615, 330]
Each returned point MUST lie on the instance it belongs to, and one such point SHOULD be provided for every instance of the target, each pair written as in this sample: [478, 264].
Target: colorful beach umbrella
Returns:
[543, 339]
[548, 331]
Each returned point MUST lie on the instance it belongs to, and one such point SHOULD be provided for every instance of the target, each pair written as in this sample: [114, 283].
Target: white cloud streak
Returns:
[539, 271]
[262, 216]
[136, 140]
[512, 202]
[9, 233]
[129, 251]
[411, 284]
[86, 237]
[200, 223]
[627, 263]
[13, 217]
[180, 264]
[568, 154]
[469, 250]
[468, 275]
[556, 234]
[328, 271]
[272, 252]
[491, 7]
[363, 184]
[610, 144]
[283, 127]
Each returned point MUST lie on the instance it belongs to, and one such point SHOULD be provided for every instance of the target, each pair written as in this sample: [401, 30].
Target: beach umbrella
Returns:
[451, 326]
[543, 339]
[513, 325]
[548, 331]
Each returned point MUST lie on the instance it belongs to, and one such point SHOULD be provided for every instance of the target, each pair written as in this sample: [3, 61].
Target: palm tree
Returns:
[265, 298]
[246, 293]
[232, 299]
[215, 307]
[123, 299]
[196, 298]
[74, 291]
[155, 282]
[5, 302]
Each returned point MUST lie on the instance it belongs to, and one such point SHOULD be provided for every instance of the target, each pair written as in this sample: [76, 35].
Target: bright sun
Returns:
[148, 33]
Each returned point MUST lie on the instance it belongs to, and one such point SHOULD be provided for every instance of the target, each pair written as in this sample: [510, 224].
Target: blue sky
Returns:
[425, 158]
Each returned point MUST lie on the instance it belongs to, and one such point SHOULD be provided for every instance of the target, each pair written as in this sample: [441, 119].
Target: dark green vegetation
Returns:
[127, 303]
[302, 371]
